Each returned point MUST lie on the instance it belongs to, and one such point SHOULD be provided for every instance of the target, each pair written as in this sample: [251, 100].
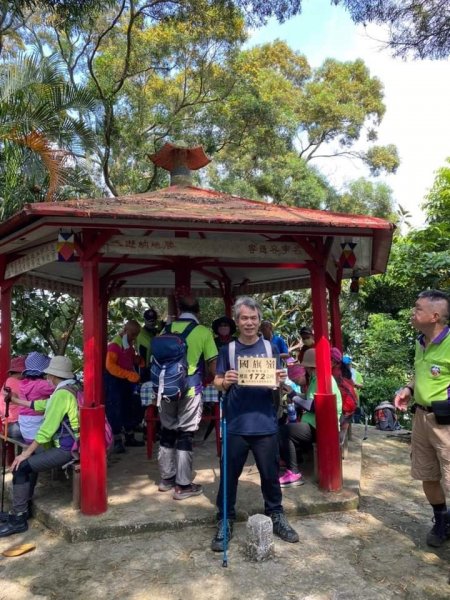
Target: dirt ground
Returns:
[377, 552]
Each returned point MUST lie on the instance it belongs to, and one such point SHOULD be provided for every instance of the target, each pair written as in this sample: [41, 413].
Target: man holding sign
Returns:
[247, 372]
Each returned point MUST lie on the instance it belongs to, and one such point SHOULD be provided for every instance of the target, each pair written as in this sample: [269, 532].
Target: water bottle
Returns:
[291, 413]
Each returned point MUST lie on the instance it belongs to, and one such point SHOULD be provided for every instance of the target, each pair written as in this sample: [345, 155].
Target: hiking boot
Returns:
[166, 484]
[440, 532]
[132, 442]
[217, 541]
[181, 493]
[290, 479]
[118, 448]
[282, 529]
[4, 516]
[15, 524]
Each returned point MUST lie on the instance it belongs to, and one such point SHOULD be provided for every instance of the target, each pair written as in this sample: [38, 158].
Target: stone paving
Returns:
[376, 552]
[136, 506]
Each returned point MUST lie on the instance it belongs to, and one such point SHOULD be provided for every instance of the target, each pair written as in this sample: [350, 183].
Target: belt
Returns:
[424, 408]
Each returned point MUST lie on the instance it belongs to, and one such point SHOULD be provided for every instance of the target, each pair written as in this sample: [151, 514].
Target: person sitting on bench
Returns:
[296, 438]
[60, 424]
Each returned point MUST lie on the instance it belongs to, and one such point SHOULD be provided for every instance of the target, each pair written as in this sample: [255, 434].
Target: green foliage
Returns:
[340, 98]
[47, 322]
[378, 388]
[40, 129]
[382, 158]
[419, 29]
[383, 345]
[366, 198]
[288, 312]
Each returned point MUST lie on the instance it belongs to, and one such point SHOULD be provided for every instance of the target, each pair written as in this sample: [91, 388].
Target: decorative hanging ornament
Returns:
[347, 259]
[66, 246]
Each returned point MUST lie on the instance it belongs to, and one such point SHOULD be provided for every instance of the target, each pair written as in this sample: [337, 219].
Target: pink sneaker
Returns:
[290, 479]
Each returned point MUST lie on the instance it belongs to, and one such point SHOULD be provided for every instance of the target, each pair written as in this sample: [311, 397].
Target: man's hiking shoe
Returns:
[4, 516]
[166, 485]
[132, 442]
[118, 448]
[440, 532]
[15, 524]
[282, 529]
[217, 541]
[181, 493]
[290, 479]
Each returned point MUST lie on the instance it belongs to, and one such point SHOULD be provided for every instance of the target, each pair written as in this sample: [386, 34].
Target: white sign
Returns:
[253, 371]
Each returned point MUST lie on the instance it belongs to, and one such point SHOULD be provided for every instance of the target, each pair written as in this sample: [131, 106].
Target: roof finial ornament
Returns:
[180, 160]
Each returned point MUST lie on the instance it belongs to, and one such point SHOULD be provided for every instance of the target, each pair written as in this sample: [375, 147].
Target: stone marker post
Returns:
[259, 544]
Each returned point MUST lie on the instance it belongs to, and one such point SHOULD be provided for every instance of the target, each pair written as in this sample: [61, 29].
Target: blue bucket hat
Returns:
[35, 364]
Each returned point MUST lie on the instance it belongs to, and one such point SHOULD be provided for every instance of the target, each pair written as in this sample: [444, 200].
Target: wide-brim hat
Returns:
[35, 363]
[150, 315]
[309, 358]
[223, 321]
[60, 366]
[17, 364]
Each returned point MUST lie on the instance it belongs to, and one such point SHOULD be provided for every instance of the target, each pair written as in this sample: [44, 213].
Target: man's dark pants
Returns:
[122, 407]
[265, 451]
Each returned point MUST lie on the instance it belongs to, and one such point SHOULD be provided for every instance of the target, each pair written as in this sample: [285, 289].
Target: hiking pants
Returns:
[295, 438]
[179, 420]
[265, 451]
[122, 406]
[25, 476]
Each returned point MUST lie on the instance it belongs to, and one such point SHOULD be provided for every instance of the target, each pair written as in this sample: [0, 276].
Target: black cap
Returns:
[306, 331]
[150, 315]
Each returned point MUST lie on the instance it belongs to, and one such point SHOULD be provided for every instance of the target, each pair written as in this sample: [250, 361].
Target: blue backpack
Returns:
[169, 366]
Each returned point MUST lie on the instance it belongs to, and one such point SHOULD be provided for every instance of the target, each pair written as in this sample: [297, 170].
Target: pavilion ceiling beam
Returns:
[92, 242]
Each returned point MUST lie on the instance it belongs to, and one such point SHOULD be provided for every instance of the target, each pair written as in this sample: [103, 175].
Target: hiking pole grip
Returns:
[7, 400]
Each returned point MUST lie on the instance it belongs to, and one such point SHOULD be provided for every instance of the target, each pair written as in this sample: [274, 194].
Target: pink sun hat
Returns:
[295, 370]
[17, 364]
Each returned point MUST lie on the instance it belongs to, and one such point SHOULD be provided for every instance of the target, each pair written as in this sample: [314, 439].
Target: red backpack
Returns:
[349, 398]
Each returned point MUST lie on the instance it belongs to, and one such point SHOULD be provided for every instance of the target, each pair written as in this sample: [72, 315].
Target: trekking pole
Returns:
[7, 399]
[366, 422]
[224, 482]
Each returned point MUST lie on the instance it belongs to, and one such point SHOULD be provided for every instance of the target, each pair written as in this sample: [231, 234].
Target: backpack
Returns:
[77, 391]
[169, 366]
[349, 400]
[385, 417]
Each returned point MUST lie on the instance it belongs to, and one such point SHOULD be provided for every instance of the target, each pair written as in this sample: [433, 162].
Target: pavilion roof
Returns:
[254, 245]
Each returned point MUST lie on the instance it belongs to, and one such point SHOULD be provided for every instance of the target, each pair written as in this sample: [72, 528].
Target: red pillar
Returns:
[228, 299]
[92, 426]
[327, 433]
[335, 316]
[5, 329]
[103, 339]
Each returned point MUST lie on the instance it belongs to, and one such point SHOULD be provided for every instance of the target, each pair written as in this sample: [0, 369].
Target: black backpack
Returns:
[386, 417]
[169, 366]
